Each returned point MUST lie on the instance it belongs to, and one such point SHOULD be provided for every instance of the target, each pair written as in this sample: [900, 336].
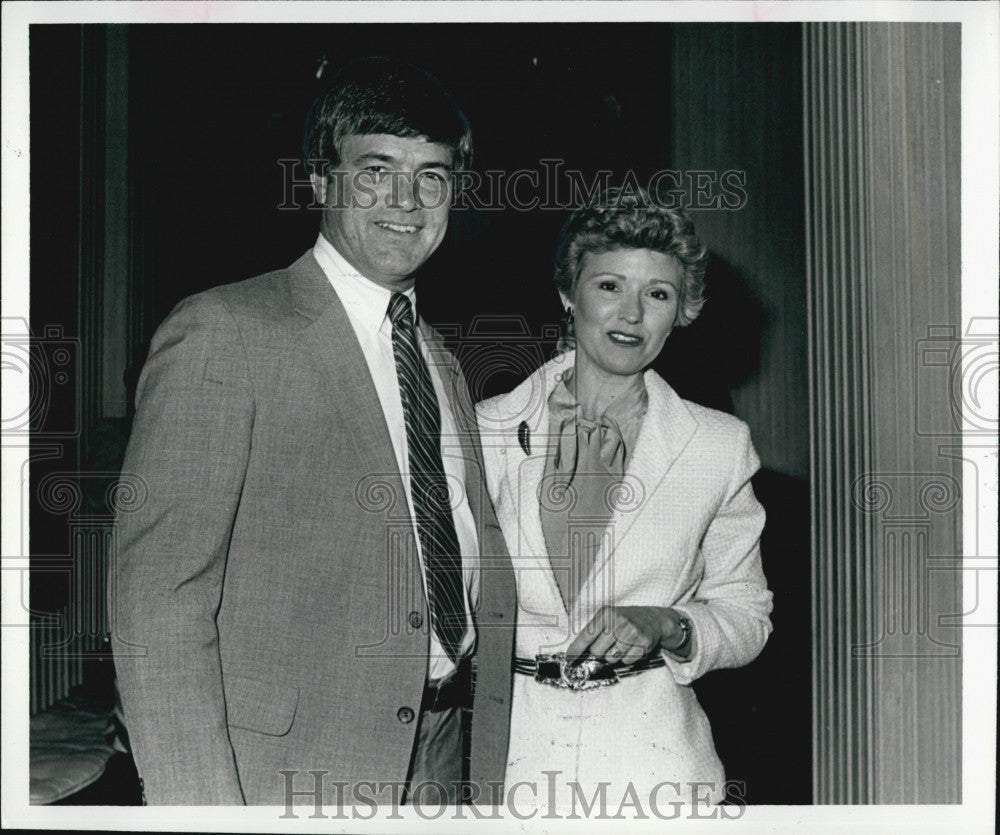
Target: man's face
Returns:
[386, 205]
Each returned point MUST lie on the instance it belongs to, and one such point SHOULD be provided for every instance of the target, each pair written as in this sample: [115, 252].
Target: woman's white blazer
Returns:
[685, 533]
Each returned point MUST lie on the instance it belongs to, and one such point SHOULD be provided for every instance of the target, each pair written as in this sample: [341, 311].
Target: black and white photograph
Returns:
[533, 415]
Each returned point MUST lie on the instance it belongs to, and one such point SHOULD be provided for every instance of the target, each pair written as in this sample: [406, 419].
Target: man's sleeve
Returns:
[730, 610]
[188, 453]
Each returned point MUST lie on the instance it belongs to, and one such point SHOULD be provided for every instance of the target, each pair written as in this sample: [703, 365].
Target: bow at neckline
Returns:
[593, 446]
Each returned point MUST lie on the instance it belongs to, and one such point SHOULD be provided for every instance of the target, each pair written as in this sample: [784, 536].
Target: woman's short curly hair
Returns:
[618, 219]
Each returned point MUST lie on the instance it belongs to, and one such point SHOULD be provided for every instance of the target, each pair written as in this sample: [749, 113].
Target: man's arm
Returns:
[190, 445]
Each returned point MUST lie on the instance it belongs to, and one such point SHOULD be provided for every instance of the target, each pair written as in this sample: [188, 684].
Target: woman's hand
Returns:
[628, 633]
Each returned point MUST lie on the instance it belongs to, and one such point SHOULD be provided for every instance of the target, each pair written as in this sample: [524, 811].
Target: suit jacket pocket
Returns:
[262, 706]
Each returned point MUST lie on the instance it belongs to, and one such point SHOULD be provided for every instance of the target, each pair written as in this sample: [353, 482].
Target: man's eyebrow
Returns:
[373, 157]
[435, 164]
[391, 160]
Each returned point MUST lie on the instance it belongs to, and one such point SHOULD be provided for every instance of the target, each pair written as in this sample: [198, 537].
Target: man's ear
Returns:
[567, 302]
[318, 187]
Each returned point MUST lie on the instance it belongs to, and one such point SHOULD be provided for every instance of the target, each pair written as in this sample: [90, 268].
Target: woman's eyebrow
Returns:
[670, 282]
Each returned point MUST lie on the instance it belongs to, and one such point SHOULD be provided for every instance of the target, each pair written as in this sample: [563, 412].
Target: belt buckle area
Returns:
[555, 670]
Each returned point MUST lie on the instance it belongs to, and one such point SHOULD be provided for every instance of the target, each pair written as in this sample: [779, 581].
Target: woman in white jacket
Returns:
[632, 526]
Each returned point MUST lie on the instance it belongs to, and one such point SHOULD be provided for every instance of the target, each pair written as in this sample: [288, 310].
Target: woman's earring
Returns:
[567, 332]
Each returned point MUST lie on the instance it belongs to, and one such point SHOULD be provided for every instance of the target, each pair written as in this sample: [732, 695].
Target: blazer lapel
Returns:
[666, 430]
[524, 413]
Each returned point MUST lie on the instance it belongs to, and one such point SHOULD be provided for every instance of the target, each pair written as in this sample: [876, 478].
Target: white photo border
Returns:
[980, 233]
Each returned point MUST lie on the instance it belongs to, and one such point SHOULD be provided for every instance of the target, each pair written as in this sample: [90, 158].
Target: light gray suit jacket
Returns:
[264, 619]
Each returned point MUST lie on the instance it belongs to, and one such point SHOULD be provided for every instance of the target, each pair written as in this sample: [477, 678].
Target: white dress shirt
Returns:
[367, 305]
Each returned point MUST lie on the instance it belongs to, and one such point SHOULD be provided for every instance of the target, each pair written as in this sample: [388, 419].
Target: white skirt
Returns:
[642, 741]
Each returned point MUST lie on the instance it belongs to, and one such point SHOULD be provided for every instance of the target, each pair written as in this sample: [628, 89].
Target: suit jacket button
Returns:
[416, 620]
[405, 715]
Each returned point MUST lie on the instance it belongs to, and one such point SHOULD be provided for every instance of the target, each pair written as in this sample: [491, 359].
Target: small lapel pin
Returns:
[523, 437]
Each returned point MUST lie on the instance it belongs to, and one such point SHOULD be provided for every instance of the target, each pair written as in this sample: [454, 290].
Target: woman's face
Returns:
[625, 303]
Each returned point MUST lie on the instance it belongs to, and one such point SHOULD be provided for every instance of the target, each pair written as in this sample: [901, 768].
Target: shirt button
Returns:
[416, 620]
[405, 715]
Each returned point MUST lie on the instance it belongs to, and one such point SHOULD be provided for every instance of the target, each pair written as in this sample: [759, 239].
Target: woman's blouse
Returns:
[584, 467]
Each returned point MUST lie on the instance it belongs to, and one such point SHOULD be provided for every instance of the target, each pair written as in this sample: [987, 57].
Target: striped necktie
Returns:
[435, 526]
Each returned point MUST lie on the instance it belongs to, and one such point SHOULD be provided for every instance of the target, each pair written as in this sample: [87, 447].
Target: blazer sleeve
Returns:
[189, 451]
[730, 609]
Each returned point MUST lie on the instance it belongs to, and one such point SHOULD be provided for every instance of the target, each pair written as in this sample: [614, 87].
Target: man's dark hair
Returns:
[384, 95]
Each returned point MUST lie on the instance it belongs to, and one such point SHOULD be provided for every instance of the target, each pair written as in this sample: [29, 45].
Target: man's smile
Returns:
[403, 228]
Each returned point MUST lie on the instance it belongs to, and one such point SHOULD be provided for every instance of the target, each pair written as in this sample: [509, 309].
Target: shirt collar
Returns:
[365, 301]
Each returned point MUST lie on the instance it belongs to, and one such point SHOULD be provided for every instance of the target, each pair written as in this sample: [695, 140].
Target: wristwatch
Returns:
[685, 625]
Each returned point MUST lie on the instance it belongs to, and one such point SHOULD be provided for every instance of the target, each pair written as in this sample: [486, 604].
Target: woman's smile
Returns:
[627, 340]
[625, 304]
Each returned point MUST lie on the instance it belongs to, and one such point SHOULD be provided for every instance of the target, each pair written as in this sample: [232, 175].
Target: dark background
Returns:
[212, 110]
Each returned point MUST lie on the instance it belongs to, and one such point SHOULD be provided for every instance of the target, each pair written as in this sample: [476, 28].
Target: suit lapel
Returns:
[329, 338]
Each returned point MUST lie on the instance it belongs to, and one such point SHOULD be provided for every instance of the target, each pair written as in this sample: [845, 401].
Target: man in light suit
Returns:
[297, 622]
